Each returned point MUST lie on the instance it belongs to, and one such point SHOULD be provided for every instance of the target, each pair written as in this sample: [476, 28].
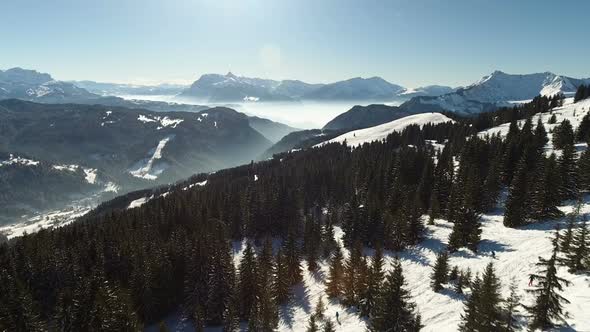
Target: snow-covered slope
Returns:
[501, 89]
[570, 111]
[380, 132]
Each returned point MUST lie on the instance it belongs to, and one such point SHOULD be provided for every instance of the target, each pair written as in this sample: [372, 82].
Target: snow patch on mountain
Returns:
[16, 160]
[163, 121]
[146, 168]
[380, 132]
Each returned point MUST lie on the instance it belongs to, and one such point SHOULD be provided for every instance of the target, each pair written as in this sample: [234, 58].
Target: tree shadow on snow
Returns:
[487, 246]
[452, 294]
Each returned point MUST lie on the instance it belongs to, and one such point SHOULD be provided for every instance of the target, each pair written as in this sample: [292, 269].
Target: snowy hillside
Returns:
[502, 89]
[380, 132]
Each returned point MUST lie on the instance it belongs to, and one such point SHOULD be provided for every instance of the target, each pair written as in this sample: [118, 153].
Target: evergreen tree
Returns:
[563, 135]
[352, 278]
[329, 326]
[312, 324]
[583, 130]
[293, 260]
[511, 308]
[335, 275]
[515, 214]
[567, 172]
[281, 284]
[482, 310]
[578, 256]
[440, 274]
[583, 171]
[247, 282]
[395, 312]
[373, 282]
[548, 303]
[320, 309]
[545, 193]
[466, 230]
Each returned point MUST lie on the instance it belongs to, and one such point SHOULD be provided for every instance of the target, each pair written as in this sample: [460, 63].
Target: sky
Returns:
[407, 42]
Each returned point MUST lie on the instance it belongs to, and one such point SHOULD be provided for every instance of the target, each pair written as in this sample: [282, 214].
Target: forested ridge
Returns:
[123, 269]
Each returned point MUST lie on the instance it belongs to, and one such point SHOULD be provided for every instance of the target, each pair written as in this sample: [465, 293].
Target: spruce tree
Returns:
[567, 172]
[312, 325]
[247, 282]
[466, 230]
[293, 260]
[373, 284]
[563, 135]
[578, 255]
[320, 309]
[583, 171]
[281, 283]
[351, 277]
[583, 130]
[515, 214]
[395, 311]
[482, 310]
[440, 273]
[329, 326]
[548, 306]
[511, 308]
[335, 275]
[545, 191]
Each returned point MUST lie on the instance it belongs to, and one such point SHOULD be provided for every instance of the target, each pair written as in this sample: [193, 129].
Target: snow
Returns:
[255, 177]
[112, 187]
[145, 168]
[162, 121]
[570, 111]
[55, 218]
[380, 132]
[16, 160]
[90, 175]
[138, 202]
[200, 184]
[69, 168]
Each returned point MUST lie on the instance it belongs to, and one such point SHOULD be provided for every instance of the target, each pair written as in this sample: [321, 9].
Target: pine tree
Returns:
[511, 308]
[440, 274]
[482, 310]
[583, 171]
[395, 312]
[335, 275]
[578, 256]
[373, 284]
[329, 326]
[320, 309]
[548, 303]
[515, 214]
[545, 193]
[293, 260]
[281, 284]
[583, 131]
[351, 277]
[247, 282]
[563, 135]
[312, 324]
[466, 230]
[567, 172]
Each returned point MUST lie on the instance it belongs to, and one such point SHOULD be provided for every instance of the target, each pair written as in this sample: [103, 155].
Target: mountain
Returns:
[374, 88]
[32, 85]
[430, 90]
[272, 130]
[132, 148]
[39, 87]
[502, 89]
[300, 140]
[232, 88]
[116, 89]
[366, 116]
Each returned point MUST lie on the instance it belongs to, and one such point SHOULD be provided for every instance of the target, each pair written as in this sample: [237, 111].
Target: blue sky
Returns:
[409, 42]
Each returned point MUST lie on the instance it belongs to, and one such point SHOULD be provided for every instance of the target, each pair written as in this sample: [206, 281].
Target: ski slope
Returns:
[359, 137]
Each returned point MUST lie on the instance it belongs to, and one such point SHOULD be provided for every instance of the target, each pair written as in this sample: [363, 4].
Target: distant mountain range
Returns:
[117, 89]
[232, 88]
